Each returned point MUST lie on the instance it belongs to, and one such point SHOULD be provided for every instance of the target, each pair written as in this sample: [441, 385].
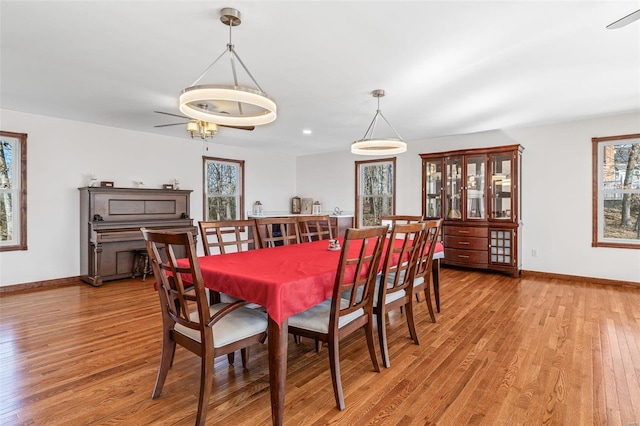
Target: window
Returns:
[375, 190]
[616, 191]
[223, 189]
[13, 191]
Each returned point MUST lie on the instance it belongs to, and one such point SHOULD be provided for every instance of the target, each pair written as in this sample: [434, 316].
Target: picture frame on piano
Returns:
[106, 183]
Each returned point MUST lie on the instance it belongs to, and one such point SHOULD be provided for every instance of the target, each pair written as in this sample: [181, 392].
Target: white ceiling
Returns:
[447, 67]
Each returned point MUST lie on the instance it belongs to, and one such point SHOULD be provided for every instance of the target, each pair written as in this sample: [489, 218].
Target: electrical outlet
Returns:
[534, 253]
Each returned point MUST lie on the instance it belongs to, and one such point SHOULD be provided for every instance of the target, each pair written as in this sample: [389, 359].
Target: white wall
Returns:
[556, 191]
[62, 153]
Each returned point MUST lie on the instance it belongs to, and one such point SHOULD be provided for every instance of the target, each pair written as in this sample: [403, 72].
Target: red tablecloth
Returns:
[285, 280]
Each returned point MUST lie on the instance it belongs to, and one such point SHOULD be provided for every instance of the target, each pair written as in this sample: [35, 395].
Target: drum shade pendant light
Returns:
[369, 145]
[230, 105]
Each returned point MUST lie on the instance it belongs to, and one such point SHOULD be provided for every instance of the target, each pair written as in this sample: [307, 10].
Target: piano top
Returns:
[105, 207]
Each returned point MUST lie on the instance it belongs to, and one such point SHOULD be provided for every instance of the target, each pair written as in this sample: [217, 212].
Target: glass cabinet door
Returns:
[433, 188]
[475, 167]
[501, 246]
[453, 166]
[501, 187]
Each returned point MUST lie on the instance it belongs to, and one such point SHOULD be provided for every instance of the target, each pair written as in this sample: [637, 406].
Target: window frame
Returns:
[359, 214]
[240, 186]
[19, 190]
[598, 196]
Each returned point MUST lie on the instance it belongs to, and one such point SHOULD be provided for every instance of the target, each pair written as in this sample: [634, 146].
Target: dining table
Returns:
[285, 280]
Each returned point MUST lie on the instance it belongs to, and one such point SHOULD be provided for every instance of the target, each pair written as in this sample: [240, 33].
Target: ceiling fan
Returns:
[633, 16]
[199, 128]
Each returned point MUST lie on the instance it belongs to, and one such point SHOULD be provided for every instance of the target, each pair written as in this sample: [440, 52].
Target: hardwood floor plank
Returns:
[504, 350]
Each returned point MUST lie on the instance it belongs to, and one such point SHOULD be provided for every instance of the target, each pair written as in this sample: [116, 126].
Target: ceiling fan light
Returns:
[211, 128]
[202, 129]
[195, 101]
[383, 146]
[192, 127]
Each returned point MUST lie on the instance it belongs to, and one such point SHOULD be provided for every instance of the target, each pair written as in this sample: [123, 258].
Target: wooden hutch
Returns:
[477, 193]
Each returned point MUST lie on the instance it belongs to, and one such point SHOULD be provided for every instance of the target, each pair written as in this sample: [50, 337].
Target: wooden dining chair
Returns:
[276, 231]
[424, 265]
[393, 219]
[228, 236]
[187, 318]
[337, 317]
[314, 228]
[394, 288]
[224, 236]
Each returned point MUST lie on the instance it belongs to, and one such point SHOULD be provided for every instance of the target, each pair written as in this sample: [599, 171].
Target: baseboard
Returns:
[537, 274]
[524, 274]
[40, 284]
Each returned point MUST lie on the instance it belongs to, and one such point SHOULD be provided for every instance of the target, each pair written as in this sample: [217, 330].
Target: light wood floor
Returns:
[504, 351]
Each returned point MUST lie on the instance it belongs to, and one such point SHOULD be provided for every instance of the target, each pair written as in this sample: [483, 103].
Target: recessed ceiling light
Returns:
[307, 131]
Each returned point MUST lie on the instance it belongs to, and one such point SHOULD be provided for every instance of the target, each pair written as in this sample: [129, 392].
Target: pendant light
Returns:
[231, 105]
[369, 145]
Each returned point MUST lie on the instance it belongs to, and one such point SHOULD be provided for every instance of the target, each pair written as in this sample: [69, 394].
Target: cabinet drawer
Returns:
[465, 243]
[465, 256]
[465, 231]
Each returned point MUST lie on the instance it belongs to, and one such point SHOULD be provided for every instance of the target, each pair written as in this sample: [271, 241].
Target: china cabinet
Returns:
[477, 193]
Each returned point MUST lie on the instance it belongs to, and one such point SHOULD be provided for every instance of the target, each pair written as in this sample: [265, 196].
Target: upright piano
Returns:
[110, 222]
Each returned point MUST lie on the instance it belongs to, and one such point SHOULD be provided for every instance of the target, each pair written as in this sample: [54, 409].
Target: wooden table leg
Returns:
[277, 344]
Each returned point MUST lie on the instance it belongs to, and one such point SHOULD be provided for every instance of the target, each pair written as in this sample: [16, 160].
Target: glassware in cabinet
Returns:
[501, 186]
[433, 188]
[475, 186]
[453, 190]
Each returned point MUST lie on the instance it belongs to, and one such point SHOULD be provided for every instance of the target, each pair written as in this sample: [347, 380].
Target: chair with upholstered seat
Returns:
[276, 231]
[314, 228]
[424, 265]
[338, 317]
[435, 268]
[228, 236]
[187, 318]
[394, 288]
